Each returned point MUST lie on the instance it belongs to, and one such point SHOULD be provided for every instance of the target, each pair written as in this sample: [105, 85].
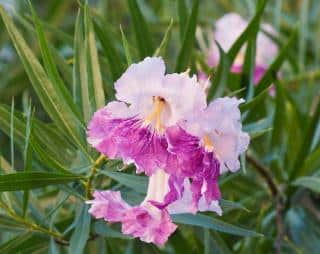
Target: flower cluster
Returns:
[227, 30]
[162, 123]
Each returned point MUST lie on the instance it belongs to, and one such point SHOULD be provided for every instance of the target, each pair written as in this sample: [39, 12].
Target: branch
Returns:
[264, 173]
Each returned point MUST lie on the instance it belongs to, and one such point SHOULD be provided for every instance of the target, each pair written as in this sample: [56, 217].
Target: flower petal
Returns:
[150, 225]
[221, 122]
[195, 163]
[108, 205]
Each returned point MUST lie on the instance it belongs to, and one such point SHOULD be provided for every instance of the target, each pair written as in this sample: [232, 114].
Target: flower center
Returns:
[208, 144]
[155, 115]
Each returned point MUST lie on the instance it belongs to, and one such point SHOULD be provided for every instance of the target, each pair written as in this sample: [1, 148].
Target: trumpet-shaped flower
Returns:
[149, 101]
[147, 221]
[217, 133]
[161, 124]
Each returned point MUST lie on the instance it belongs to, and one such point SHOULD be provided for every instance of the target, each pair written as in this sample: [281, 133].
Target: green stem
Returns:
[93, 171]
[33, 227]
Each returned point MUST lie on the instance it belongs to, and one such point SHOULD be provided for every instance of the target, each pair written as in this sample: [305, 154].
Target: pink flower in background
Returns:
[162, 124]
[227, 30]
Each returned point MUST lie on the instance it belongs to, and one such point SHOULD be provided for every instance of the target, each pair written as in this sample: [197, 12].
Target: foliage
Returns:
[60, 67]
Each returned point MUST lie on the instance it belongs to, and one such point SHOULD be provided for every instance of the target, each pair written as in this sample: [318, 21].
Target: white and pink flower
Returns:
[162, 124]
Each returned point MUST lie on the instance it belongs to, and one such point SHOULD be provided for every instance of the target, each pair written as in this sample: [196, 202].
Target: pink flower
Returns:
[150, 101]
[217, 130]
[162, 124]
[227, 30]
[147, 221]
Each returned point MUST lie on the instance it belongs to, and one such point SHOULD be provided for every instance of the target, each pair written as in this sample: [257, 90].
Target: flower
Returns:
[162, 124]
[215, 130]
[146, 221]
[227, 30]
[149, 101]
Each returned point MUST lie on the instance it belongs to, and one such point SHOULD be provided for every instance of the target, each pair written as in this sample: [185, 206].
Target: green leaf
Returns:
[186, 50]
[109, 49]
[306, 145]
[310, 182]
[220, 78]
[50, 65]
[86, 70]
[27, 154]
[183, 17]
[126, 47]
[44, 141]
[33, 180]
[93, 66]
[271, 74]
[137, 183]
[249, 68]
[102, 228]
[213, 224]
[8, 246]
[81, 232]
[160, 51]
[12, 153]
[49, 95]
[141, 30]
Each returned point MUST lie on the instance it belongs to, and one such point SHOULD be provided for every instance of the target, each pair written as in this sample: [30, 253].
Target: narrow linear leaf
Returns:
[160, 51]
[48, 94]
[186, 50]
[138, 183]
[126, 47]
[271, 74]
[312, 183]
[92, 62]
[109, 50]
[183, 17]
[81, 232]
[214, 224]
[33, 180]
[50, 65]
[141, 30]
[306, 145]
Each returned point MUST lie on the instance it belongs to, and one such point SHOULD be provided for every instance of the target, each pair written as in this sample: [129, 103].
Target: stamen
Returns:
[158, 106]
[208, 143]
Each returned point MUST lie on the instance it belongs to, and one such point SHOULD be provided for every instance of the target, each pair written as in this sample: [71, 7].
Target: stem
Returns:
[276, 193]
[264, 173]
[33, 227]
[93, 171]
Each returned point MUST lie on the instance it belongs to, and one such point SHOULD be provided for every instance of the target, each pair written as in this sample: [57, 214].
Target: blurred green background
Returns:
[276, 192]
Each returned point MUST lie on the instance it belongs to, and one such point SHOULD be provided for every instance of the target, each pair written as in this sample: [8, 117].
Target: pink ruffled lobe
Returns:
[108, 205]
[150, 225]
[117, 134]
[220, 122]
[185, 203]
[195, 163]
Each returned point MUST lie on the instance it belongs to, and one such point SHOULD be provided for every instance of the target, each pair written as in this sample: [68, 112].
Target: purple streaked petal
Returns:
[195, 163]
[108, 205]
[185, 204]
[128, 139]
[150, 225]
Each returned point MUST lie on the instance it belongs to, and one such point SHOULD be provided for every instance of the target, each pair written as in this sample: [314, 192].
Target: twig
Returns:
[279, 222]
[93, 172]
[276, 193]
[264, 173]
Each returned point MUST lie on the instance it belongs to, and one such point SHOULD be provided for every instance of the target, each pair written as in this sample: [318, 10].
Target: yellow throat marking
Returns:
[158, 106]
